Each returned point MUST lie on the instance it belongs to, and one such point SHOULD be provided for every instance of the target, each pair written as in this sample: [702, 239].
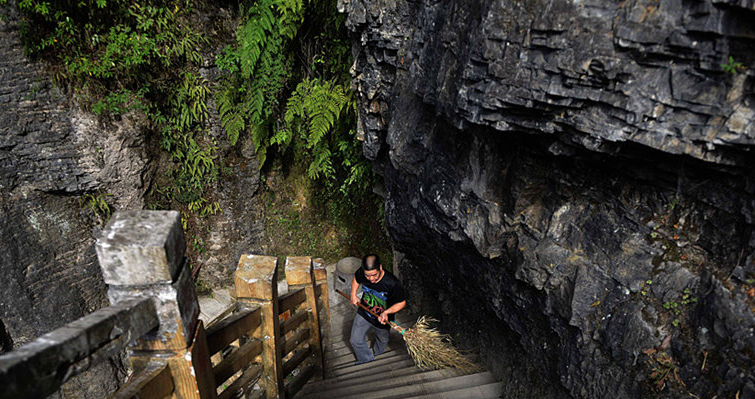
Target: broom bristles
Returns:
[432, 350]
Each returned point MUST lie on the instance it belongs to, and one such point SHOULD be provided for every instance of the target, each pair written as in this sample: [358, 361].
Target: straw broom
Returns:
[430, 349]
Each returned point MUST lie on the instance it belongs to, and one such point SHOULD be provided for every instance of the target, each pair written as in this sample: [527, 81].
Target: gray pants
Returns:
[362, 351]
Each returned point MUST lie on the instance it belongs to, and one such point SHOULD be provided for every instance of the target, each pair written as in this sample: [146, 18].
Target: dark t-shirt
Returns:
[379, 296]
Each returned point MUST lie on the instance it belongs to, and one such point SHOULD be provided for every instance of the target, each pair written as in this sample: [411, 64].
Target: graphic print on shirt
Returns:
[376, 300]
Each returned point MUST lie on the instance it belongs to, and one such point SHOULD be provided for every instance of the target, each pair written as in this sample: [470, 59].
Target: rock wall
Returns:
[571, 184]
[52, 154]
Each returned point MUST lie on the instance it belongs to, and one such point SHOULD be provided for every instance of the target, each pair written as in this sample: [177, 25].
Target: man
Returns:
[383, 294]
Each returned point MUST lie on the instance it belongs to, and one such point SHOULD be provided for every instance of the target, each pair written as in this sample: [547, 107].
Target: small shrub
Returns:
[731, 66]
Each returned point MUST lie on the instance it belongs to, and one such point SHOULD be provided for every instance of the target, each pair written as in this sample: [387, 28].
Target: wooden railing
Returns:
[154, 315]
[39, 368]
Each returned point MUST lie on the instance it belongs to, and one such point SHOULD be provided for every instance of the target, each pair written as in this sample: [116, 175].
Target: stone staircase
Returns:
[392, 374]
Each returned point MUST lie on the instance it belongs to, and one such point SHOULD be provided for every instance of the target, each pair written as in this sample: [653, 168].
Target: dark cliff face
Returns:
[52, 154]
[571, 184]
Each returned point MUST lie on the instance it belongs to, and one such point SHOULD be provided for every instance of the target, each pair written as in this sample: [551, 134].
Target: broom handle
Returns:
[393, 325]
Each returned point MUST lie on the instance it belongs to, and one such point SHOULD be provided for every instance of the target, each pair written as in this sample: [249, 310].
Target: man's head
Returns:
[372, 268]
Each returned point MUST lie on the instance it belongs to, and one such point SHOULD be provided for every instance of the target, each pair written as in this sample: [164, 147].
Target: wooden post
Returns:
[321, 280]
[256, 283]
[141, 254]
[299, 273]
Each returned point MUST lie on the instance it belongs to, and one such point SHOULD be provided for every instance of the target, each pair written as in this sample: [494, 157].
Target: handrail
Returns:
[237, 360]
[141, 257]
[296, 360]
[237, 388]
[155, 381]
[291, 300]
[293, 323]
[37, 369]
[231, 328]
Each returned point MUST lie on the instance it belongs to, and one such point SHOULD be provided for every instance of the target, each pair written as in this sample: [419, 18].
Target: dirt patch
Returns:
[303, 218]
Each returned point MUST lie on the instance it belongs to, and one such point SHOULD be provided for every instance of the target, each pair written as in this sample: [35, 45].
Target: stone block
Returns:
[256, 276]
[318, 269]
[298, 270]
[176, 306]
[141, 247]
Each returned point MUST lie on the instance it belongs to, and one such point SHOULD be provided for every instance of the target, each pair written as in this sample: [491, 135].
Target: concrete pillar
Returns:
[141, 254]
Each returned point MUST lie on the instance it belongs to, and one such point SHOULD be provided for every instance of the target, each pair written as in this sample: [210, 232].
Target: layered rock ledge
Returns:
[570, 184]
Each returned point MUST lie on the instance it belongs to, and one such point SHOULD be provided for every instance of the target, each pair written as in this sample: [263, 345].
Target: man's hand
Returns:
[383, 318]
[354, 299]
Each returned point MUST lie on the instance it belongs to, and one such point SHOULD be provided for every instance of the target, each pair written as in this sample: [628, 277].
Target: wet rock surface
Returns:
[571, 185]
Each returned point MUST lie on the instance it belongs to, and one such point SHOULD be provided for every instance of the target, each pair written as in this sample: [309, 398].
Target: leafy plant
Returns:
[257, 67]
[119, 56]
[664, 369]
[97, 203]
[312, 110]
[676, 308]
[319, 115]
[731, 66]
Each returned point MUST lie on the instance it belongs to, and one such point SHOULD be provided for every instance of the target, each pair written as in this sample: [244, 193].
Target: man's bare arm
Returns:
[354, 288]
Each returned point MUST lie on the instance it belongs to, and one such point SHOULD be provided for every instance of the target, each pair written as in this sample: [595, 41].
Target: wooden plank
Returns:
[298, 382]
[154, 382]
[238, 389]
[323, 307]
[231, 328]
[37, 369]
[268, 333]
[294, 322]
[314, 327]
[290, 300]
[256, 277]
[192, 370]
[296, 360]
[239, 359]
[289, 344]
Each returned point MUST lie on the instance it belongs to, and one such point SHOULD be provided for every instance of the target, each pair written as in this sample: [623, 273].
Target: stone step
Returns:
[369, 368]
[385, 386]
[334, 353]
[336, 346]
[348, 381]
[346, 351]
[394, 341]
[422, 388]
[345, 362]
[487, 391]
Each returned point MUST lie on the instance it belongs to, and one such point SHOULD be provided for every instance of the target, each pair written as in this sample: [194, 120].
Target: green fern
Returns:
[312, 110]
[257, 69]
[319, 113]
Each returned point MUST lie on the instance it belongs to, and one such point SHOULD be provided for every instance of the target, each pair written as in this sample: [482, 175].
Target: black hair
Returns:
[375, 265]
